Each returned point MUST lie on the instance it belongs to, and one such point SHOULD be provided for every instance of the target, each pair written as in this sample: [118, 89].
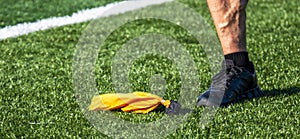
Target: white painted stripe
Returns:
[81, 16]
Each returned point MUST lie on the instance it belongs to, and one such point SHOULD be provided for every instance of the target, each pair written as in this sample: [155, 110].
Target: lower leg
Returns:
[230, 21]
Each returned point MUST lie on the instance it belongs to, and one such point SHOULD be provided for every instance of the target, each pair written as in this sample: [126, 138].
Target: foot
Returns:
[231, 85]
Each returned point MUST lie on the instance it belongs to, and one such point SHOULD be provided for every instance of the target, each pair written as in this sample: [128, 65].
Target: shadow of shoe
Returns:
[277, 92]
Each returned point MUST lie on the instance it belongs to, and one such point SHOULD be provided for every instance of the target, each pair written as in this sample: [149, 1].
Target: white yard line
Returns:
[78, 17]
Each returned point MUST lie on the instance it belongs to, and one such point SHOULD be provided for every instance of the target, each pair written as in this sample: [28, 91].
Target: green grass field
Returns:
[19, 11]
[36, 87]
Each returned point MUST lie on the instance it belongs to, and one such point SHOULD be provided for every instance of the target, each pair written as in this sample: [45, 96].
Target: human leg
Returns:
[237, 80]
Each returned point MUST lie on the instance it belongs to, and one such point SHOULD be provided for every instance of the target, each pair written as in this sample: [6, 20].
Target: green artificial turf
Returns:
[13, 12]
[37, 92]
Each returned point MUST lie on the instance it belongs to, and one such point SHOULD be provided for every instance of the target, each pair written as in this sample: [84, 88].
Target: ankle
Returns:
[240, 59]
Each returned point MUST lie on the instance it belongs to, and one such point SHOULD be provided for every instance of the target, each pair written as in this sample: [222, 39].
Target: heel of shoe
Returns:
[255, 93]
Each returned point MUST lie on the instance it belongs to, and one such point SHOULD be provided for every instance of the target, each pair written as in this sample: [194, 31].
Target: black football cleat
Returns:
[231, 85]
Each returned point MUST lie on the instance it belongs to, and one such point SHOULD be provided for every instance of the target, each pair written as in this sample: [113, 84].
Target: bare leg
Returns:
[230, 21]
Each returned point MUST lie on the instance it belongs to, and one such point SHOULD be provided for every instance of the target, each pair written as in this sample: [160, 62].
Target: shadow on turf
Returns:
[276, 92]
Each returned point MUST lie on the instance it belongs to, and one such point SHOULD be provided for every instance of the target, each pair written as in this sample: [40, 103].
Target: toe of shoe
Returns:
[203, 98]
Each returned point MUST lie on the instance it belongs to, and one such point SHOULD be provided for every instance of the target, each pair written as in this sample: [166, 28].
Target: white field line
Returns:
[78, 17]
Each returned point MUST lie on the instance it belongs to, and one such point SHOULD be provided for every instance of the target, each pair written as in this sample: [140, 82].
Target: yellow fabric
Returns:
[138, 102]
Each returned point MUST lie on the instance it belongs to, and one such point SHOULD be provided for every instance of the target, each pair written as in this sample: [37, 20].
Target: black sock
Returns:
[239, 59]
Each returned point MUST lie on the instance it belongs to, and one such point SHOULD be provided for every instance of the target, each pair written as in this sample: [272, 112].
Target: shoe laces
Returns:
[231, 73]
[225, 76]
